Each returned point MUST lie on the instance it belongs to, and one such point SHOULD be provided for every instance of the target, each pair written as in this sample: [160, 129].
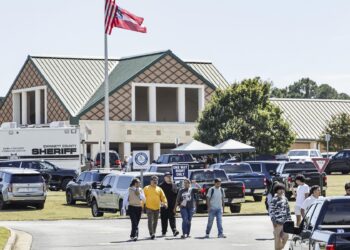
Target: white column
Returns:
[16, 108]
[127, 148]
[156, 150]
[37, 107]
[24, 108]
[201, 99]
[181, 103]
[152, 103]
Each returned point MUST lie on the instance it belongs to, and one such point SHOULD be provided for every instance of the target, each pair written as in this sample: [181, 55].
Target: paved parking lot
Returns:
[245, 232]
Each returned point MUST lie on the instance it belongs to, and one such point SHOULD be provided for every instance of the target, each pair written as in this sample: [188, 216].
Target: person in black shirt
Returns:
[167, 213]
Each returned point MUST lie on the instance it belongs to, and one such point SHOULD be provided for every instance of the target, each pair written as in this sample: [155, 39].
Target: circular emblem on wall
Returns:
[141, 158]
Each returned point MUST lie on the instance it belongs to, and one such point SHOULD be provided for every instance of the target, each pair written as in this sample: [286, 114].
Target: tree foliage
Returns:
[244, 113]
[339, 129]
[307, 88]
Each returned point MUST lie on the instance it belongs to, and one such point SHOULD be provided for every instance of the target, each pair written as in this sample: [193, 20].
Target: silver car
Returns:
[23, 187]
[108, 196]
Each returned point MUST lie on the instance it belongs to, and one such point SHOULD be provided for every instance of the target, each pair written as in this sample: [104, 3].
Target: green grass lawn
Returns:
[4, 235]
[57, 209]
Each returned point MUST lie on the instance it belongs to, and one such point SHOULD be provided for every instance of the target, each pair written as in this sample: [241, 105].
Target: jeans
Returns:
[152, 216]
[186, 214]
[215, 212]
[167, 214]
[135, 216]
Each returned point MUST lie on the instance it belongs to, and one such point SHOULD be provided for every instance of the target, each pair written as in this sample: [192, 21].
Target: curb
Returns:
[10, 245]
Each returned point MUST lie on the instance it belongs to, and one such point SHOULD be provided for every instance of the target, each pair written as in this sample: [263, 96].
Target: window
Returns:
[98, 177]
[315, 216]
[47, 166]
[236, 168]
[124, 182]
[163, 169]
[31, 164]
[141, 104]
[111, 181]
[12, 164]
[337, 214]
[298, 153]
[339, 156]
[87, 177]
[81, 177]
[308, 216]
[271, 167]
[106, 181]
[180, 158]
[255, 167]
[191, 104]
[166, 101]
[296, 167]
[208, 176]
[314, 154]
[27, 178]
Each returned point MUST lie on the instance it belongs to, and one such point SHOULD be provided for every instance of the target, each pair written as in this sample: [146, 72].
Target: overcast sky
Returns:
[273, 39]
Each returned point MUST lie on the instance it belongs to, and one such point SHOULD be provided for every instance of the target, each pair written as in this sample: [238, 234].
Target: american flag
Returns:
[118, 17]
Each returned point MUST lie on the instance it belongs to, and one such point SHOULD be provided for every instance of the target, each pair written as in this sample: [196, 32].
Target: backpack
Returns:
[212, 192]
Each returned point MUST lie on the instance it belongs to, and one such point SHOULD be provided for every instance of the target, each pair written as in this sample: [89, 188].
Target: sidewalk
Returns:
[19, 241]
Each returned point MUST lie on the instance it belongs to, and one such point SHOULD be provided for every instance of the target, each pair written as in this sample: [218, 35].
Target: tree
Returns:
[244, 113]
[339, 129]
[324, 91]
[304, 88]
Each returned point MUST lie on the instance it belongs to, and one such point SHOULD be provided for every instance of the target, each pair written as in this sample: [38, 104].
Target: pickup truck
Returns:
[255, 183]
[326, 225]
[172, 159]
[287, 171]
[204, 179]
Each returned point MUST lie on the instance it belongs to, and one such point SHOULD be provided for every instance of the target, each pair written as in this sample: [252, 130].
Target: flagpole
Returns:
[107, 165]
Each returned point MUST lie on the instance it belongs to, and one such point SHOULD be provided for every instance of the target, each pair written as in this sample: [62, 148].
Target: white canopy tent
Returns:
[232, 146]
[195, 147]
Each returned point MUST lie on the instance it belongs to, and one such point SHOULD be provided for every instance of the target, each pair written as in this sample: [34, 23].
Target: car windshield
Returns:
[271, 167]
[337, 214]
[209, 176]
[112, 157]
[298, 153]
[236, 168]
[164, 169]
[295, 166]
[98, 177]
[27, 178]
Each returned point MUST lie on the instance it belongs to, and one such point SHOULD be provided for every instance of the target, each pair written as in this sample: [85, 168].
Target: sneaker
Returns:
[153, 237]
[206, 236]
[188, 236]
[222, 236]
[176, 233]
[183, 236]
[135, 239]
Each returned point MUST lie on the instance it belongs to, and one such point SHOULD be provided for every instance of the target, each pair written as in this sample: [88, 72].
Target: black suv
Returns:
[79, 189]
[340, 162]
[57, 178]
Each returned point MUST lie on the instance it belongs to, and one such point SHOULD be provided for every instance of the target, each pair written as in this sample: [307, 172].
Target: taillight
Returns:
[202, 191]
[290, 180]
[265, 182]
[330, 247]
[243, 188]
[118, 162]
[10, 189]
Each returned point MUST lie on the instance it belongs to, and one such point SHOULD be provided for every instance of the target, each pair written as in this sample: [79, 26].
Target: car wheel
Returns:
[94, 209]
[64, 184]
[40, 205]
[257, 197]
[345, 172]
[236, 208]
[69, 198]
[2, 203]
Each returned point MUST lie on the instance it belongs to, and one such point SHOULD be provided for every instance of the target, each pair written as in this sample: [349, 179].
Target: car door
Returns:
[85, 185]
[76, 187]
[303, 239]
[109, 194]
[121, 188]
[308, 243]
[338, 162]
[102, 201]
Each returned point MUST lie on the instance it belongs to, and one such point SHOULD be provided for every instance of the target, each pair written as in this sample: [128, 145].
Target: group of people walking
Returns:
[164, 200]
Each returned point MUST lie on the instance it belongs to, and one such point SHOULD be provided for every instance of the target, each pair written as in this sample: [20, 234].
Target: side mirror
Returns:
[288, 227]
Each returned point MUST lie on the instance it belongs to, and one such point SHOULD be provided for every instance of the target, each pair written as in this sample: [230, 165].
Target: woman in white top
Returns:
[315, 192]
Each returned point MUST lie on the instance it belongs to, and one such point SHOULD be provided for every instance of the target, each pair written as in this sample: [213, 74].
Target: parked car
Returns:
[204, 179]
[23, 187]
[59, 177]
[303, 154]
[340, 162]
[326, 226]
[108, 196]
[268, 168]
[255, 183]
[79, 189]
[114, 159]
[287, 171]
[328, 155]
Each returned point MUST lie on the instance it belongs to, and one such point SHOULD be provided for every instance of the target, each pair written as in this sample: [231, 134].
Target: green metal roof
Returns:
[309, 117]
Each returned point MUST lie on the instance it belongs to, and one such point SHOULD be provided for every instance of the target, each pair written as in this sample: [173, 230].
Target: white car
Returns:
[303, 154]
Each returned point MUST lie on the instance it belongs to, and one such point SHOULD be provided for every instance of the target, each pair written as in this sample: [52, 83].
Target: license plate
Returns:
[26, 190]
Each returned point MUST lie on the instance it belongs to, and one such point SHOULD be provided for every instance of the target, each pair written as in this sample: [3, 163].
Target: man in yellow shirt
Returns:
[155, 198]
